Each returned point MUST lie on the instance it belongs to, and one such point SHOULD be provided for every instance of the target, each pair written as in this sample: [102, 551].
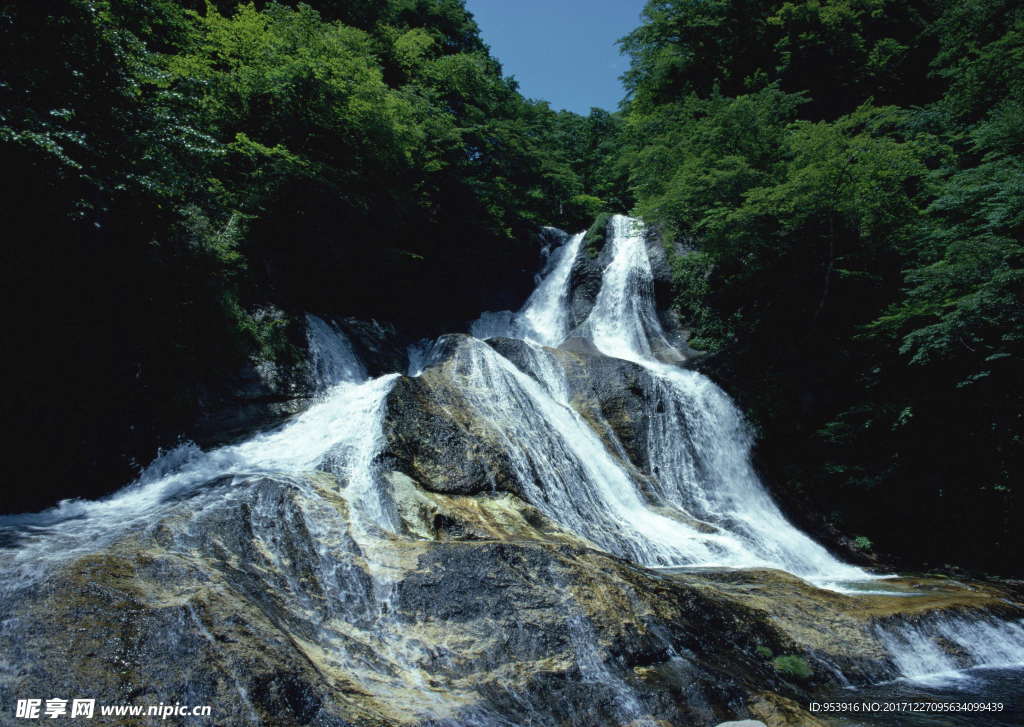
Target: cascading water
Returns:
[333, 360]
[697, 445]
[323, 546]
[565, 470]
[545, 316]
[339, 433]
[623, 322]
[940, 647]
[330, 564]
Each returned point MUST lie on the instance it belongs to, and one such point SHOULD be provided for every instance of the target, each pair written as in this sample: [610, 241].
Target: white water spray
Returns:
[339, 433]
[544, 318]
[709, 508]
[939, 648]
[332, 358]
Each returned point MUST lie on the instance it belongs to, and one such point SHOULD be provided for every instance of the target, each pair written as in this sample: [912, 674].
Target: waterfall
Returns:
[544, 318]
[321, 549]
[565, 470]
[940, 646]
[332, 358]
[318, 527]
[711, 509]
[340, 433]
[706, 505]
[623, 322]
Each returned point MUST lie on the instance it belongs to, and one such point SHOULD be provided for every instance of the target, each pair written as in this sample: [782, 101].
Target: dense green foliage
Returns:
[185, 178]
[850, 171]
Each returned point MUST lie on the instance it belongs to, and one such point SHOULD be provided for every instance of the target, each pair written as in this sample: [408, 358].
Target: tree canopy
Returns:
[186, 178]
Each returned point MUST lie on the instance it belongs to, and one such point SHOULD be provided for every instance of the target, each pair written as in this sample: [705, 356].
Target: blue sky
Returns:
[562, 51]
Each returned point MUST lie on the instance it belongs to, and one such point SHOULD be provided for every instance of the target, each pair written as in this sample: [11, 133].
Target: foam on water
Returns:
[940, 648]
[340, 433]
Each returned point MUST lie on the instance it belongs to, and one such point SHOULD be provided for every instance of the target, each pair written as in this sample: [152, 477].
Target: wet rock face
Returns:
[585, 282]
[599, 662]
[610, 393]
[114, 628]
[661, 253]
[381, 347]
[259, 598]
[434, 438]
[257, 397]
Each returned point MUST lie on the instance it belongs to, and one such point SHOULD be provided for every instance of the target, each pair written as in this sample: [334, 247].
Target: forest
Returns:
[185, 180]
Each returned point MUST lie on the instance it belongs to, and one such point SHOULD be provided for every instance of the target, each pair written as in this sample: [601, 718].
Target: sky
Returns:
[562, 51]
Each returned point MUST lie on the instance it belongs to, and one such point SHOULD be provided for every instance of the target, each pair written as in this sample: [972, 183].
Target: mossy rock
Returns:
[596, 236]
[792, 666]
